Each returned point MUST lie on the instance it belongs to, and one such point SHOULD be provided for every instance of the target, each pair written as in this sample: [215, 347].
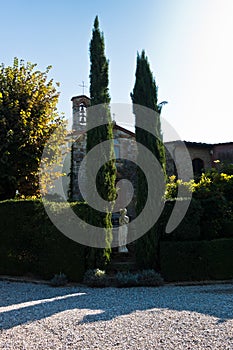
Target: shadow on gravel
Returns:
[109, 303]
[11, 292]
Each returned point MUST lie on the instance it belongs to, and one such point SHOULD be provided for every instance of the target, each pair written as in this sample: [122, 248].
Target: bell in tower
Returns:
[78, 149]
[80, 104]
[82, 115]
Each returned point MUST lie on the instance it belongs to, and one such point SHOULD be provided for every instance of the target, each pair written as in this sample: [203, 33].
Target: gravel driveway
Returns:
[41, 317]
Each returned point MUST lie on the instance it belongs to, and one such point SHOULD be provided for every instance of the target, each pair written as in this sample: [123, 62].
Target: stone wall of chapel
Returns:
[127, 144]
[126, 168]
[177, 158]
[76, 102]
[203, 154]
[223, 152]
[79, 152]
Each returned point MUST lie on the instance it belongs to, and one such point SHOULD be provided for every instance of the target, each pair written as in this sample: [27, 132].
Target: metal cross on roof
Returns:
[83, 86]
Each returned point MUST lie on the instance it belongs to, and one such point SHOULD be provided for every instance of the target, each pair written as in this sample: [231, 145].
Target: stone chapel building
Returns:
[203, 155]
[124, 143]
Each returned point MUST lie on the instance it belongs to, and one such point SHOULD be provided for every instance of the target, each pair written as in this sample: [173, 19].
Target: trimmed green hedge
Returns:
[31, 244]
[205, 219]
[197, 260]
[189, 228]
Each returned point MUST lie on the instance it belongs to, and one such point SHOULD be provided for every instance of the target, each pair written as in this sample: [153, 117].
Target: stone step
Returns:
[122, 261]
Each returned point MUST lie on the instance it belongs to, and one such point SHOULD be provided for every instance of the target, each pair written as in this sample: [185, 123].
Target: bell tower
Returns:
[79, 106]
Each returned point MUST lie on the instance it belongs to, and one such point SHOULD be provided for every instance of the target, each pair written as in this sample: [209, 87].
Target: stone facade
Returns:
[79, 106]
[223, 152]
[178, 153]
[202, 155]
[199, 153]
[124, 145]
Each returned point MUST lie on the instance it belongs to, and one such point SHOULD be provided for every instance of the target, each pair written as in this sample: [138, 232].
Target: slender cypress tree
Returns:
[99, 94]
[145, 94]
[99, 81]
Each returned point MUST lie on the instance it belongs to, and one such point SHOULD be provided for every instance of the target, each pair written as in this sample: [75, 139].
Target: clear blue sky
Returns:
[189, 44]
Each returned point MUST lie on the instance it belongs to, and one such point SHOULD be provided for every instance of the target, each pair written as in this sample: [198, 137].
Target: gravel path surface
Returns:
[41, 317]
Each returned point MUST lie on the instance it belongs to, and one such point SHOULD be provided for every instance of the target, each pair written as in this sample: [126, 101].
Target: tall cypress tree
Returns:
[99, 94]
[99, 81]
[145, 94]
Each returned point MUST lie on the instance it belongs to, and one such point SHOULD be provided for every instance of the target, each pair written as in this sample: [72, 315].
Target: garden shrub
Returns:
[219, 258]
[96, 278]
[147, 249]
[213, 190]
[214, 210]
[227, 228]
[59, 280]
[189, 228]
[144, 278]
[173, 184]
[96, 256]
[149, 278]
[197, 260]
[126, 279]
[30, 243]
[20, 242]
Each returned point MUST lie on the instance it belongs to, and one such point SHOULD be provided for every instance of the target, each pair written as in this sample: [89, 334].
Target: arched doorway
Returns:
[198, 166]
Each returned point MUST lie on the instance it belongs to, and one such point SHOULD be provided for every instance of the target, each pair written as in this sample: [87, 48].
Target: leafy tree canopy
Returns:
[28, 116]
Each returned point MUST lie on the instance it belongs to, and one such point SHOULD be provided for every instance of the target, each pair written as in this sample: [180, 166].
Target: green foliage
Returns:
[30, 243]
[150, 278]
[197, 260]
[210, 183]
[144, 278]
[227, 228]
[173, 184]
[96, 278]
[214, 183]
[190, 227]
[225, 167]
[105, 181]
[99, 95]
[59, 280]
[145, 94]
[147, 250]
[145, 89]
[28, 116]
[99, 67]
[126, 279]
[213, 191]
[214, 210]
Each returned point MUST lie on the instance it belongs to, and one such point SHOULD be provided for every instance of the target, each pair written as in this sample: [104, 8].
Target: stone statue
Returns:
[123, 231]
